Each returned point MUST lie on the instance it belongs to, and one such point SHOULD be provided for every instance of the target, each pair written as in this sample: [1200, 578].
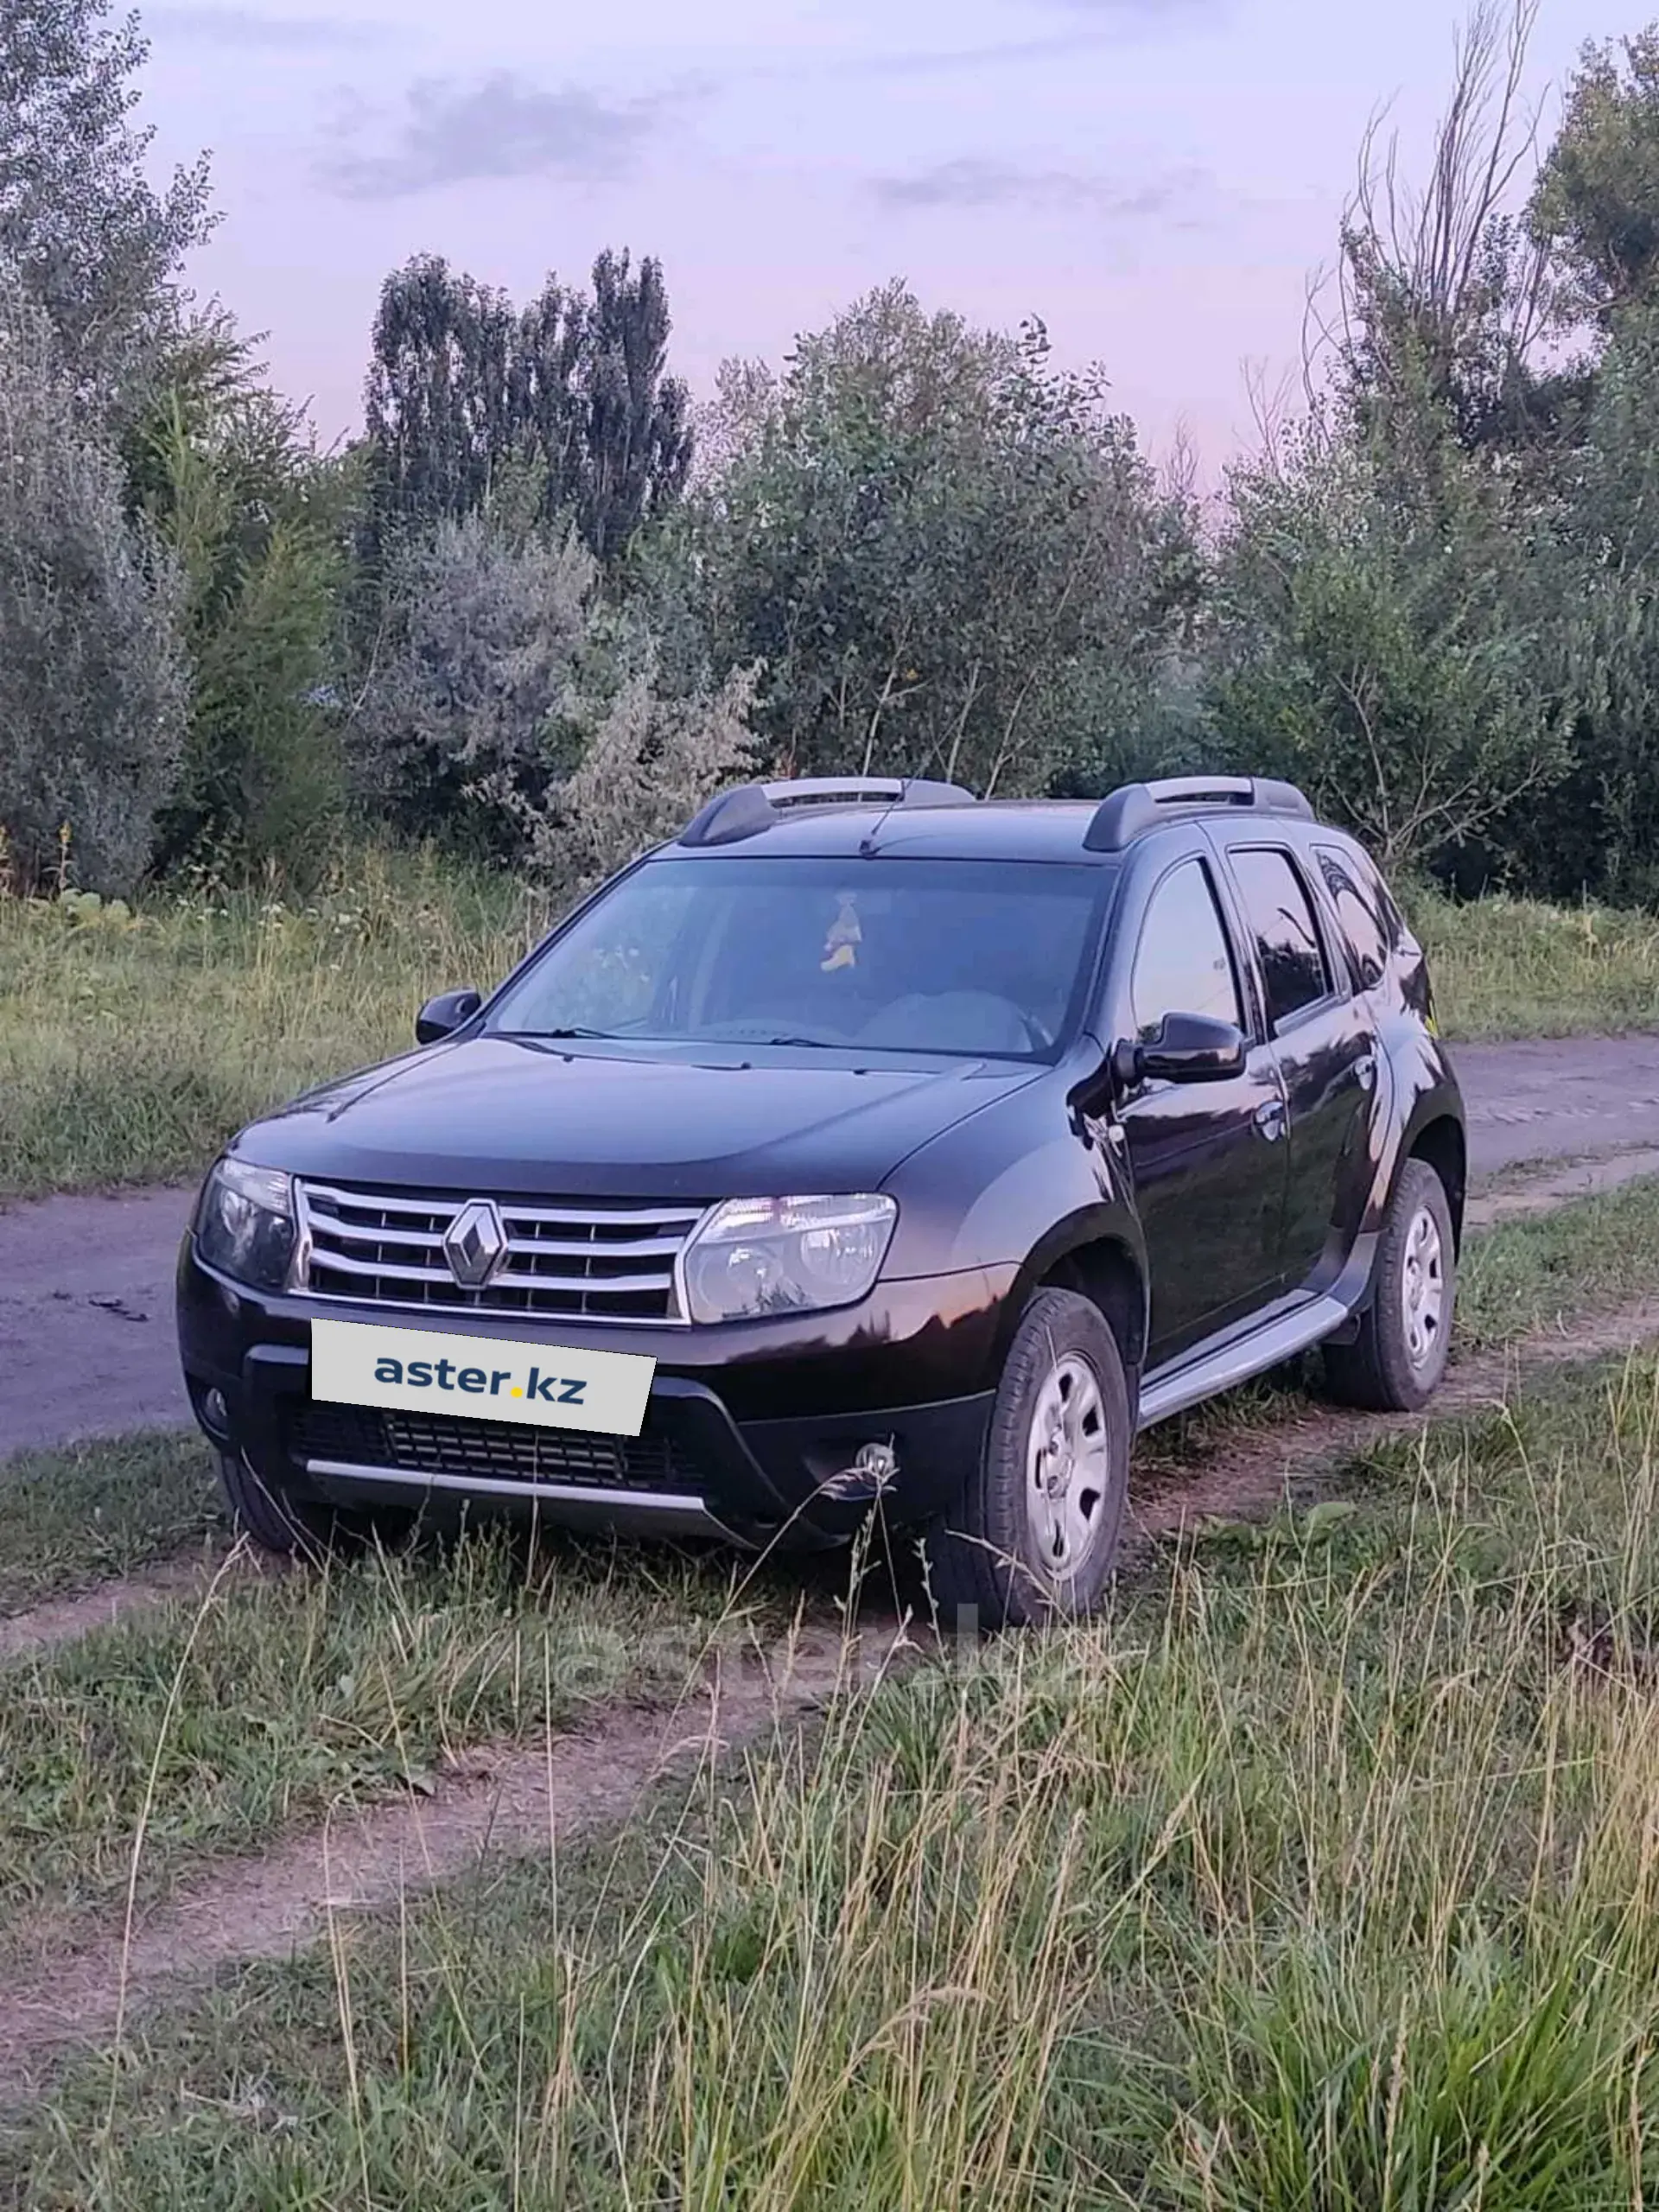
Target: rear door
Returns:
[1208, 1159]
[1324, 1035]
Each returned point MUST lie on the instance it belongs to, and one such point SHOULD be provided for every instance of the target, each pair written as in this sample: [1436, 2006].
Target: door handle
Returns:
[1365, 1069]
[1270, 1118]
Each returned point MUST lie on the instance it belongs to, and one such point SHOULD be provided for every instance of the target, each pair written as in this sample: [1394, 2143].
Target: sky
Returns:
[1157, 179]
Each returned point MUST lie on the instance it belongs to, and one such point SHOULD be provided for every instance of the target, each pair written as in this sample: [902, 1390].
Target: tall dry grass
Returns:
[1325, 1875]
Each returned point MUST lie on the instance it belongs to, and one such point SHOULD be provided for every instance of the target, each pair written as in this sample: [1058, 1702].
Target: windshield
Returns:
[881, 954]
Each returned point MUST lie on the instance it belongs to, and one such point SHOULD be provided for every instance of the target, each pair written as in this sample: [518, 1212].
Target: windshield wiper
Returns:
[619, 1036]
[553, 1036]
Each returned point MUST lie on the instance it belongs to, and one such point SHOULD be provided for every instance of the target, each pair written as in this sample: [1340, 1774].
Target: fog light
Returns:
[215, 1413]
[879, 1463]
[872, 1471]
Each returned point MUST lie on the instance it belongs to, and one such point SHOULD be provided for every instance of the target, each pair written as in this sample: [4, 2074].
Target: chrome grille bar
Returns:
[337, 1261]
[598, 1260]
[595, 1213]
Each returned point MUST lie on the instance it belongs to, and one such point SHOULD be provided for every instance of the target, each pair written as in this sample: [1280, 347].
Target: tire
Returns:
[1018, 1550]
[294, 1527]
[1397, 1361]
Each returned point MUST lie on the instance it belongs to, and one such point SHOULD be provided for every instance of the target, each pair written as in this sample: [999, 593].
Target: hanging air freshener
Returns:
[841, 946]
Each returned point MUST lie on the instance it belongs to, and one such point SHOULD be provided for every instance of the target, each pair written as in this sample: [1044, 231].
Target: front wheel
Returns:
[1035, 1533]
[1397, 1361]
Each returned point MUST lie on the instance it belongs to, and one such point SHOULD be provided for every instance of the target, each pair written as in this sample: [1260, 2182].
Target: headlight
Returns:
[244, 1224]
[785, 1255]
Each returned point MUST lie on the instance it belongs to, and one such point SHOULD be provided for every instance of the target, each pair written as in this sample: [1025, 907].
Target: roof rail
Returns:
[1133, 808]
[750, 808]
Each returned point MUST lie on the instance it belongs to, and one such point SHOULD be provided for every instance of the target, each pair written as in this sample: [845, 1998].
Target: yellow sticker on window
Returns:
[841, 946]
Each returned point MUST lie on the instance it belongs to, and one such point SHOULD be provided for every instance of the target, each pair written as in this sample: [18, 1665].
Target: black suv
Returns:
[868, 1144]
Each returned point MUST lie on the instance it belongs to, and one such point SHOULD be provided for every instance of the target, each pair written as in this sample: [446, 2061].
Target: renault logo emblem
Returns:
[475, 1244]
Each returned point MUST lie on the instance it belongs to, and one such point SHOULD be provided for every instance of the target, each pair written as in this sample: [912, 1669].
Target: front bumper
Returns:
[752, 1432]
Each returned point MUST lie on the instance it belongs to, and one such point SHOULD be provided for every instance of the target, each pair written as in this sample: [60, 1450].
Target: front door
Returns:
[1325, 1039]
[1208, 1159]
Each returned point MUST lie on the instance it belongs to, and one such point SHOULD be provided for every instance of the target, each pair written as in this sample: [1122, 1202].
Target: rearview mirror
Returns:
[441, 1016]
[1185, 1048]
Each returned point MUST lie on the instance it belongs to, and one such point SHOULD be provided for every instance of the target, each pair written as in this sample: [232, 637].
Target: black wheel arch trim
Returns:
[1434, 1132]
[1107, 1233]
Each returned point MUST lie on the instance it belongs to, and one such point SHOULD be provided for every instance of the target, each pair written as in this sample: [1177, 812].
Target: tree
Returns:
[461, 386]
[93, 687]
[516, 713]
[259, 522]
[635, 436]
[1595, 206]
[947, 555]
[1384, 638]
[97, 247]
[441, 408]
[1443, 297]
[1603, 834]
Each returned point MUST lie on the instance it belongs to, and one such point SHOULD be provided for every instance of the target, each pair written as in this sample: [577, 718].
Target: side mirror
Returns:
[1187, 1048]
[443, 1015]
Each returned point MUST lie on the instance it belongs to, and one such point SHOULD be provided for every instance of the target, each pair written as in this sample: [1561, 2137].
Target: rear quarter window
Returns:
[1289, 945]
[1368, 916]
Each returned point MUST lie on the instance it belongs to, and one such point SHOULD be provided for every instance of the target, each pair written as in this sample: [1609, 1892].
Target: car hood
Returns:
[519, 1116]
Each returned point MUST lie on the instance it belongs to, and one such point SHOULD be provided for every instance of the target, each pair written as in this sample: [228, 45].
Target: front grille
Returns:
[437, 1444]
[584, 1259]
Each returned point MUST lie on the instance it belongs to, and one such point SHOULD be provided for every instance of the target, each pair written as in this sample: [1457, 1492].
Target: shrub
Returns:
[648, 763]
[479, 636]
[92, 685]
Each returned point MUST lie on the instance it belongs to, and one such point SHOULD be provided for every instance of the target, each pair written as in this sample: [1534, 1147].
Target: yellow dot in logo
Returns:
[517, 1392]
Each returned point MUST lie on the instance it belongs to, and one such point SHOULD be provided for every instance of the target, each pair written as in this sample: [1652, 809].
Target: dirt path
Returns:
[86, 1282]
[223, 1563]
[506, 1805]
[1558, 1098]
[86, 1344]
[1539, 1190]
[62, 1620]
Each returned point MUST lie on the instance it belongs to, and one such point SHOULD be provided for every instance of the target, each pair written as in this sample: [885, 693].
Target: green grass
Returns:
[1517, 968]
[131, 1052]
[92, 1512]
[1550, 1272]
[1320, 1875]
[214, 1724]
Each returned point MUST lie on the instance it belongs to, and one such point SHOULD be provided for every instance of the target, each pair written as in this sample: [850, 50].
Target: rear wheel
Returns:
[1035, 1533]
[1397, 1361]
[270, 1517]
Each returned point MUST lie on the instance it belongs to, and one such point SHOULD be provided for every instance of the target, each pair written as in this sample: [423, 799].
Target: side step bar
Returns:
[1173, 1393]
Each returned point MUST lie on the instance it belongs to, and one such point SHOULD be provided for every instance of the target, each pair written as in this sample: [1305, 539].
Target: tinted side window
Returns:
[1183, 963]
[1286, 936]
[1363, 909]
